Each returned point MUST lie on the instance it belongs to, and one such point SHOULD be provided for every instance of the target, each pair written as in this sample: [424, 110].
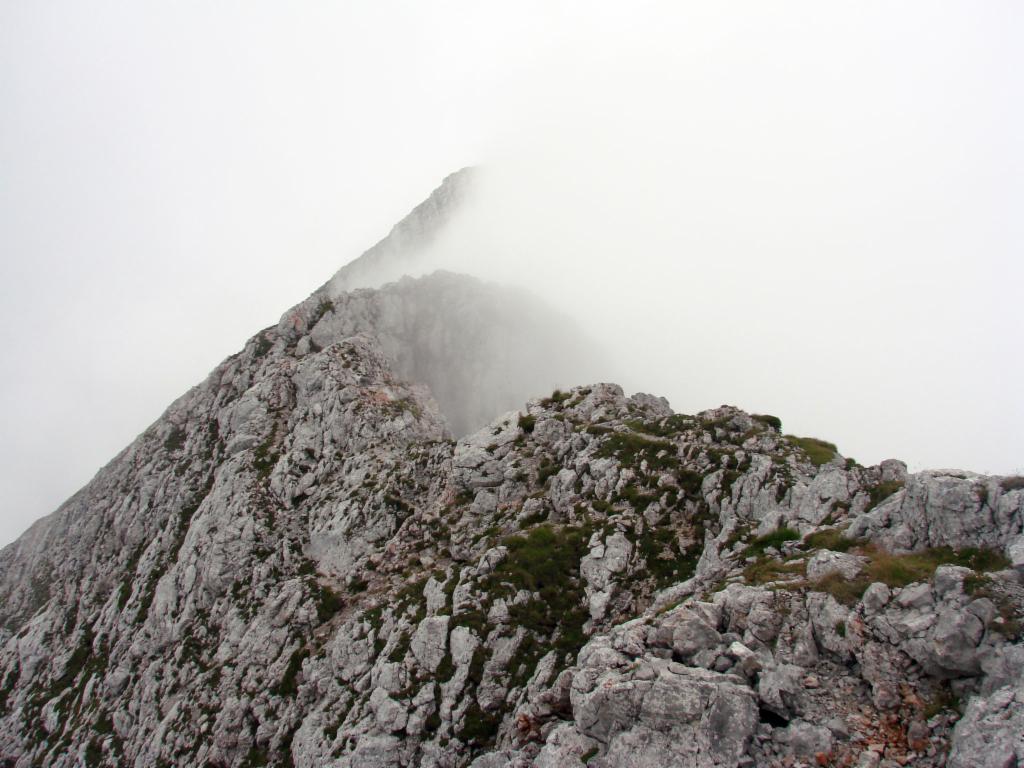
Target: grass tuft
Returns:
[1014, 483]
[883, 491]
[773, 540]
[901, 570]
[831, 538]
[818, 451]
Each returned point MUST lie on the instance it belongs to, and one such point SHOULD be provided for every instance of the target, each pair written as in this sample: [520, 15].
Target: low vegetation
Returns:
[818, 451]
[896, 571]
[831, 538]
[557, 398]
[773, 540]
[771, 421]
[765, 570]
[1014, 483]
[631, 449]
[1008, 622]
[883, 491]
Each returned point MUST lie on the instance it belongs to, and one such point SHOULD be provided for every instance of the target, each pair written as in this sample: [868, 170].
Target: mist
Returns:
[815, 228]
[807, 211]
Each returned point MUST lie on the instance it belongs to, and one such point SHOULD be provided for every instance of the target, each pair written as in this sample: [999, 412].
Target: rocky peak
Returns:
[397, 254]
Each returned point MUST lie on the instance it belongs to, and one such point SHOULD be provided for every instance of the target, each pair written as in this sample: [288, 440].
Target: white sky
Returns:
[807, 209]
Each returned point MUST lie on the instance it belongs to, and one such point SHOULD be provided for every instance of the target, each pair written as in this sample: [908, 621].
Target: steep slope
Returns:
[403, 250]
[298, 565]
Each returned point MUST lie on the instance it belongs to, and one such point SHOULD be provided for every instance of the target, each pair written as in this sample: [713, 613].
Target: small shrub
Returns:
[943, 700]
[1008, 621]
[636, 498]
[772, 421]
[1014, 483]
[589, 755]
[265, 457]
[557, 398]
[401, 649]
[546, 560]
[818, 451]
[547, 469]
[328, 603]
[289, 685]
[479, 728]
[175, 439]
[325, 306]
[263, 345]
[527, 422]
[775, 539]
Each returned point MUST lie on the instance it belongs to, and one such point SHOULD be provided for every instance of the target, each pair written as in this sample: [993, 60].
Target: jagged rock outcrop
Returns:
[298, 565]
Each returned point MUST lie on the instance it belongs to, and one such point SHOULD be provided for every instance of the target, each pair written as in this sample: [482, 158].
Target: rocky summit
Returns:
[299, 565]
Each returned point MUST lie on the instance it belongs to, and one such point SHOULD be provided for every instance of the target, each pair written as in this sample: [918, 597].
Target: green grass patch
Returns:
[831, 538]
[527, 422]
[669, 426]
[901, 570]
[667, 562]
[818, 451]
[265, 456]
[773, 540]
[631, 449]
[636, 498]
[765, 570]
[546, 561]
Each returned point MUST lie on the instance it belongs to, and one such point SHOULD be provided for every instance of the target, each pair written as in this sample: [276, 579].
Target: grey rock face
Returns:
[297, 565]
[991, 733]
[948, 508]
[825, 563]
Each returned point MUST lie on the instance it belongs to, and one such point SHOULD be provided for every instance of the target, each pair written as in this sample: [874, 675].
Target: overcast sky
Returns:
[808, 209]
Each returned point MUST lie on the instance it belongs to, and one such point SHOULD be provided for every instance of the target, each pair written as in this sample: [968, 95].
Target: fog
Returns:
[806, 211]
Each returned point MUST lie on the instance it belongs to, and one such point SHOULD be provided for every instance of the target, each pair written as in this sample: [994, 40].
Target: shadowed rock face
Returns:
[297, 565]
[482, 349]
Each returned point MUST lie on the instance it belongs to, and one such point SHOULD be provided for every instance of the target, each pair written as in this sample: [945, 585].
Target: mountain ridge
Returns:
[299, 564]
